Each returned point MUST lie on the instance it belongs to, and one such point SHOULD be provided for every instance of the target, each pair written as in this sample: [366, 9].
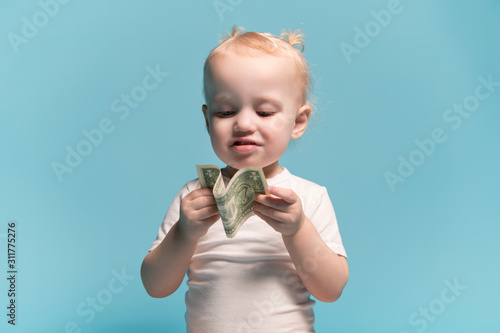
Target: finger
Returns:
[284, 193]
[200, 192]
[194, 195]
[276, 225]
[270, 212]
[206, 212]
[212, 219]
[203, 201]
[272, 201]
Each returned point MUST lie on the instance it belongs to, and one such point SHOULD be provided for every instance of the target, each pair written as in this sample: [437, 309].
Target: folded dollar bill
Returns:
[235, 202]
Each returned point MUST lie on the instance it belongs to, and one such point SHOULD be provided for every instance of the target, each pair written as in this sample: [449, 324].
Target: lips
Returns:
[244, 145]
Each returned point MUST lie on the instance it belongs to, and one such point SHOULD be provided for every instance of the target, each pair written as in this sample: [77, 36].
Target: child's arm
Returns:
[163, 268]
[322, 271]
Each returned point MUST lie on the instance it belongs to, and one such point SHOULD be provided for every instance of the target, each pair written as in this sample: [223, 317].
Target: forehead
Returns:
[252, 73]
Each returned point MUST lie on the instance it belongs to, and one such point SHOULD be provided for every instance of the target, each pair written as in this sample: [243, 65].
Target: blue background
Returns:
[403, 243]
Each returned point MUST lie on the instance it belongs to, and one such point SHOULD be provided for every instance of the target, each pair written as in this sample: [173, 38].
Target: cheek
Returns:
[218, 131]
[281, 125]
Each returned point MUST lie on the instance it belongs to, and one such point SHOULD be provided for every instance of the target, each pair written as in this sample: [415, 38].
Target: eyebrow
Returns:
[220, 97]
[261, 99]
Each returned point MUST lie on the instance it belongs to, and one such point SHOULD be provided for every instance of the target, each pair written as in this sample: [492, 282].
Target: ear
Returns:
[204, 108]
[301, 121]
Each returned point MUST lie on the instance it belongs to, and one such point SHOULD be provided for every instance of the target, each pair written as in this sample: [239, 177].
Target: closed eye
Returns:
[225, 114]
[265, 113]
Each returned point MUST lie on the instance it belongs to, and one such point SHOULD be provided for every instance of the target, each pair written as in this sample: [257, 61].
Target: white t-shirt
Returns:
[249, 283]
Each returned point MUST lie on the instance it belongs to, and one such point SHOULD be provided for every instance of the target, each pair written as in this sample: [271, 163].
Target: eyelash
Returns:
[227, 114]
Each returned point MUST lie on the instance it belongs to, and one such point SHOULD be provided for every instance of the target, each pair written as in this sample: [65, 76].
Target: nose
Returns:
[245, 122]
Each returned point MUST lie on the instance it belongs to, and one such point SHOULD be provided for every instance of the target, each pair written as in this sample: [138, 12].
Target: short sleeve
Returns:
[323, 217]
[173, 212]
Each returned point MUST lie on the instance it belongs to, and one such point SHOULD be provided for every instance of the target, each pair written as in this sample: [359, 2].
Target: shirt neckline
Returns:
[279, 178]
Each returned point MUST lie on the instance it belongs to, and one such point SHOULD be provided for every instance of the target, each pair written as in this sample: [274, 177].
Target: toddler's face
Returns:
[254, 110]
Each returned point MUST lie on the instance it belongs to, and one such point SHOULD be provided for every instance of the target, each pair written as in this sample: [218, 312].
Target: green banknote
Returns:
[235, 201]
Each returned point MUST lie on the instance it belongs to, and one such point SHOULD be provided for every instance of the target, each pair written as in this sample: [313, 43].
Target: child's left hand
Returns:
[281, 209]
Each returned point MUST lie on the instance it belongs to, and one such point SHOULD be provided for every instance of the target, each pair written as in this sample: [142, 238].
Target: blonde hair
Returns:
[283, 45]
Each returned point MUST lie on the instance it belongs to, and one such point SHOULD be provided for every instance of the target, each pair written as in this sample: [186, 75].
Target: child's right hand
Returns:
[198, 213]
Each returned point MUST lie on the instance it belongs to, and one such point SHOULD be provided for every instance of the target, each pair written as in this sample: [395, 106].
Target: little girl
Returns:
[255, 87]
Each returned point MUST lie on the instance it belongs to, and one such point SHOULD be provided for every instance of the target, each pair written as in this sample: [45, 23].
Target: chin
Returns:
[241, 164]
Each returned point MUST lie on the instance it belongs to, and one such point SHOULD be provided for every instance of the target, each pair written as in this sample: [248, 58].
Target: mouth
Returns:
[244, 145]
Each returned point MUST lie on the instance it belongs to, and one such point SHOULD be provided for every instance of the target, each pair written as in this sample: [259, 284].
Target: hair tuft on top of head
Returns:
[294, 38]
[236, 31]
